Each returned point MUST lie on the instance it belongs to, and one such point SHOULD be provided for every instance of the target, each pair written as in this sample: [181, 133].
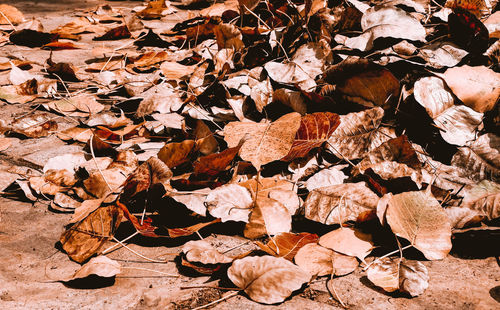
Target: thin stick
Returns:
[7, 19]
[139, 254]
[235, 247]
[152, 270]
[388, 254]
[117, 244]
[333, 291]
[218, 300]
[347, 160]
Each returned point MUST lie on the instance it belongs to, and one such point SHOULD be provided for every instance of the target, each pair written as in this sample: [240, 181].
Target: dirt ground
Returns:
[31, 264]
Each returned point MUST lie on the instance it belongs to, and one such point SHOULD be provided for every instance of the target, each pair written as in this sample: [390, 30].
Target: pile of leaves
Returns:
[319, 130]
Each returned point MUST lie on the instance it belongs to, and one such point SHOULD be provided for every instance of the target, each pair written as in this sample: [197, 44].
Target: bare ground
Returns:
[31, 264]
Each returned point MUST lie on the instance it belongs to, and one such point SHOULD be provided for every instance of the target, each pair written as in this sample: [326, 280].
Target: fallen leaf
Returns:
[287, 244]
[320, 261]
[201, 251]
[337, 204]
[213, 164]
[228, 36]
[477, 87]
[160, 98]
[348, 241]
[419, 218]
[326, 177]
[442, 54]
[117, 33]
[207, 144]
[230, 202]
[175, 71]
[176, 153]
[152, 173]
[481, 159]
[395, 274]
[359, 133]
[10, 14]
[267, 279]
[263, 142]
[83, 239]
[84, 209]
[386, 21]
[32, 126]
[101, 266]
[314, 130]
[268, 217]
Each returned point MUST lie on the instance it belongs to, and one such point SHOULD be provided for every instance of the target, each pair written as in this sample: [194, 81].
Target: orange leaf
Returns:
[286, 244]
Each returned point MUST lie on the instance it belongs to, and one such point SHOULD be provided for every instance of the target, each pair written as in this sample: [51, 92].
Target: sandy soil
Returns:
[31, 264]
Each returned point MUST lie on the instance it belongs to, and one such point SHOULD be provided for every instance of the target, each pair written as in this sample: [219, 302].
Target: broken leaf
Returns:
[393, 274]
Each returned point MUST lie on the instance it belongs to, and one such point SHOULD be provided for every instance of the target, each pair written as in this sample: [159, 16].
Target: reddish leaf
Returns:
[117, 33]
[213, 164]
[314, 130]
[58, 46]
[32, 38]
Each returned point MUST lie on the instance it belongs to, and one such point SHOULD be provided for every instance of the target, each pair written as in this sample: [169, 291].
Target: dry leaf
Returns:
[83, 239]
[101, 266]
[359, 133]
[348, 241]
[477, 87]
[287, 244]
[228, 36]
[267, 279]
[320, 261]
[337, 204]
[442, 54]
[481, 159]
[32, 126]
[159, 98]
[263, 142]
[481, 201]
[205, 140]
[326, 177]
[230, 202]
[393, 274]
[419, 218]
[213, 164]
[175, 71]
[10, 14]
[268, 217]
[176, 153]
[314, 130]
[201, 251]
[386, 21]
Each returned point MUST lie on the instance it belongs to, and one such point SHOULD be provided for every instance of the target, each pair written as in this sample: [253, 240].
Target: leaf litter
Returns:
[256, 116]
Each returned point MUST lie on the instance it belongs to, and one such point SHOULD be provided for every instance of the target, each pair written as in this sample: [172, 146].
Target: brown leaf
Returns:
[175, 71]
[419, 218]
[152, 172]
[176, 153]
[314, 130]
[348, 241]
[201, 251]
[228, 36]
[85, 208]
[267, 279]
[117, 33]
[338, 204]
[83, 239]
[477, 87]
[213, 164]
[268, 217]
[230, 202]
[153, 10]
[59, 46]
[205, 140]
[287, 244]
[320, 261]
[481, 201]
[359, 133]
[10, 14]
[33, 126]
[101, 266]
[393, 274]
[264, 142]
[481, 159]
